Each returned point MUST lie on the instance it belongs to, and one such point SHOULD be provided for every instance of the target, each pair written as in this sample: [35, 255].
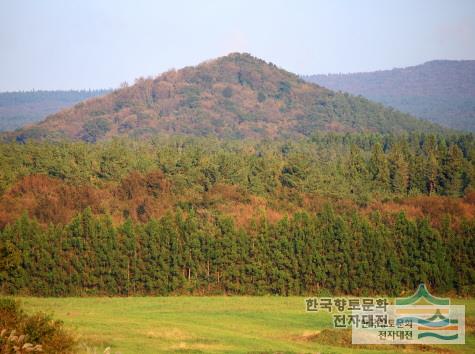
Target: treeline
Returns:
[187, 253]
[126, 178]
[346, 164]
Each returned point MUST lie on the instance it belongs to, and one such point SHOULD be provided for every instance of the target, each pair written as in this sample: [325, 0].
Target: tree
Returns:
[379, 167]
[452, 182]
[399, 171]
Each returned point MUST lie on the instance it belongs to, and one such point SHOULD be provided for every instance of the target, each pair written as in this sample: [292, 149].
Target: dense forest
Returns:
[333, 213]
[442, 91]
[20, 108]
[236, 96]
[235, 177]
[177, 254]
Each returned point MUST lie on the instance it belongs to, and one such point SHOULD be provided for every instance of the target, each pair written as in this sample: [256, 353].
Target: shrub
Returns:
[23, 333]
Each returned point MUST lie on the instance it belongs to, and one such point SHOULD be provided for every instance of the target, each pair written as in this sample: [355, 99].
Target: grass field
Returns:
[210, 324]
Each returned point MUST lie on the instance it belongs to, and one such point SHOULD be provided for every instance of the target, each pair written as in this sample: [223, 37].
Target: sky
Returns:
[88, 44]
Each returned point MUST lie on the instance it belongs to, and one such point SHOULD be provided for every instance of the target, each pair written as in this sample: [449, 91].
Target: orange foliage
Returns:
[47, 199]
[434, 207]
[242, 207]
[470, 197]
[142, 196]
[52, 200]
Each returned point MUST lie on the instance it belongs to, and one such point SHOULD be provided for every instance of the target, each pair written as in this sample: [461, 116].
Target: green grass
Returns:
[206, 324]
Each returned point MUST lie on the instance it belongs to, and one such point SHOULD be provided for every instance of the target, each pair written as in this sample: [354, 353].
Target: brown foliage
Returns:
[51, 200]
[136, 185]
[243, 208]
[141, 197]
[434, 207]
[47, 199]
[144, 196]
[470, 196]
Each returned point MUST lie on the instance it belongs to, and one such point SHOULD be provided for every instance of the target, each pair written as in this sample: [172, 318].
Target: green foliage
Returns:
[199, 249]
[352, 166]
[344, 253]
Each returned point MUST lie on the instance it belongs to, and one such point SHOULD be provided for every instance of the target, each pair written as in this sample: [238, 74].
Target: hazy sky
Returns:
[54, 44]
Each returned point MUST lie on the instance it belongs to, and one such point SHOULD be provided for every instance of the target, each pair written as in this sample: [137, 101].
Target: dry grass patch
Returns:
[170, 333]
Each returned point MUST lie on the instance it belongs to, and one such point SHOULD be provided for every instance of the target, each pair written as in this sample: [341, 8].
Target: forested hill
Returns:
[18, 109]
[442, 91]
[234, 96]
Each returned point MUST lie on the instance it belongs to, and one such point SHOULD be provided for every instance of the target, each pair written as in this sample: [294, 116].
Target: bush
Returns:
[22, 333]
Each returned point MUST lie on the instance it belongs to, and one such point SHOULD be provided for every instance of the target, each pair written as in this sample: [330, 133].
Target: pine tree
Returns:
[399, 171]
[452, 171]
[378, 166]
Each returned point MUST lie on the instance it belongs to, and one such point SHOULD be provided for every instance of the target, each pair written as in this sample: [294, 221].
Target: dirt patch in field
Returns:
[309, 335]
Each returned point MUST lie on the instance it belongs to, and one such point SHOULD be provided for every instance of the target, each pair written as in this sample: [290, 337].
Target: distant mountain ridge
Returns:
[442, 91]
[25, 107]
[236, 96]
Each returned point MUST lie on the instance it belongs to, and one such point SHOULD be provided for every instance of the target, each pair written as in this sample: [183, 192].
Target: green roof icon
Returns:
[422, 293]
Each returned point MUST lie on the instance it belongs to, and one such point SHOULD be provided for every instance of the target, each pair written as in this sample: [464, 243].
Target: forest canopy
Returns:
[205, 216]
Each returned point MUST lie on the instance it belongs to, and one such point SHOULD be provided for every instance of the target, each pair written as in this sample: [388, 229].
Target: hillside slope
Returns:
[25, 107]
[442, 91]
[231, 97]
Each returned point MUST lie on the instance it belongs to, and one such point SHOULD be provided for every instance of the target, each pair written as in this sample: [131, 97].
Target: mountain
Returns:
[442, 91]
[25, 107]
[234, 96]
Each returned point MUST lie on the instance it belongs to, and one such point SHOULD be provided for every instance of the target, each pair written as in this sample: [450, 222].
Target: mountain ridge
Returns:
[18, 108]
[441, 91]
[235, 96]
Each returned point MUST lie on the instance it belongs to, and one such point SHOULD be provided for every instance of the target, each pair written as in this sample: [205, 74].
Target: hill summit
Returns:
[234, 96]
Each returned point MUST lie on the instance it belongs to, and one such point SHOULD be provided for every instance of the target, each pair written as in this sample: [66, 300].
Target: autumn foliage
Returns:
[235, 96]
